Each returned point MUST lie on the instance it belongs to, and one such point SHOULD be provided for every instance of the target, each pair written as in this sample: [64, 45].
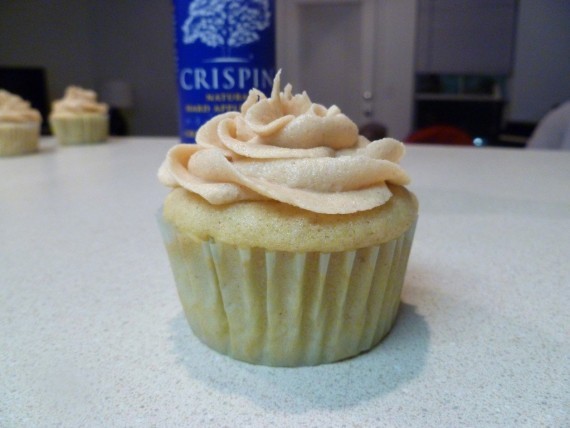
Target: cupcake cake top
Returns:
[76, 101]
[289, 149]
[15, 109]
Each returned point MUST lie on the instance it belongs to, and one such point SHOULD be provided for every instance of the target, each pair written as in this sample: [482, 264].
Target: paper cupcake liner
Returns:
[86, 129]
[19, 138]
[287, 309]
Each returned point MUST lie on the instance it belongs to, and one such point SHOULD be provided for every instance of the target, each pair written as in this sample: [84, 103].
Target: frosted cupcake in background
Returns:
[19, 125]
[287, 232]
[78, 118]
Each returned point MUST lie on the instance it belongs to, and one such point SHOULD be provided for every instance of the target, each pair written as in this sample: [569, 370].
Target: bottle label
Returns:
[224, 48]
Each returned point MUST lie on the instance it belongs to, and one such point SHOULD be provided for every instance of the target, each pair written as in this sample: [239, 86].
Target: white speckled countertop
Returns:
[92, 333]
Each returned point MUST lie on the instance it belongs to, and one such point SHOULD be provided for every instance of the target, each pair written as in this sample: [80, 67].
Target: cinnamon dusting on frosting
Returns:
[15, 109]
[289, 149]
[78, 101]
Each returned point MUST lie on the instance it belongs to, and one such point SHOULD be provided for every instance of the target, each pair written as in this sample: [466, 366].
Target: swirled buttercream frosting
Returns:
[288, 149]
[15, 109]
[78, 101]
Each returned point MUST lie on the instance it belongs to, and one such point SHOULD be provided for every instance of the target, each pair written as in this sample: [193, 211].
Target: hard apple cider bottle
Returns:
[224, 48]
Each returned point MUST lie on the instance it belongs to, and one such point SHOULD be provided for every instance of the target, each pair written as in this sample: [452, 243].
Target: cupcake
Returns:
[288, 233]
[19, 125]
[78, 118]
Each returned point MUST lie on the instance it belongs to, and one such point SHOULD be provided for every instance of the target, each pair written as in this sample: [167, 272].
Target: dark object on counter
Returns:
[373, 131]
[117, 122]
[515, 134]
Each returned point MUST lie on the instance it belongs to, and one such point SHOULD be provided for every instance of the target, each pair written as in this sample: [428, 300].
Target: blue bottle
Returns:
[224, 48]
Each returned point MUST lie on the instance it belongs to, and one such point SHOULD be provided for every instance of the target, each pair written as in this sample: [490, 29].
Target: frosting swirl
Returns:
[15, 109]
[288, 149]
[76, 101]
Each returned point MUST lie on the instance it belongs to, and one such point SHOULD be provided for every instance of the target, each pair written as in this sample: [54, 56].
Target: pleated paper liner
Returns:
[287, 309]
[19, 138]
[83, 129]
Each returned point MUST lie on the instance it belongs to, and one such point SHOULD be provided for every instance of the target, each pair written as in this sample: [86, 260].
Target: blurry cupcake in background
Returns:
[19, 125]
[78, 118]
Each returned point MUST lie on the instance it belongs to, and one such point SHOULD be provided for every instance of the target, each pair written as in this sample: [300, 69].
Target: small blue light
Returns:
[478, 141]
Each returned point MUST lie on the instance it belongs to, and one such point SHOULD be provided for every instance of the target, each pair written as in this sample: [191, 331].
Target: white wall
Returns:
[87, 43]
[134, 41]
[541, 75]
[337, 50]
[394, 99]
[50, 34]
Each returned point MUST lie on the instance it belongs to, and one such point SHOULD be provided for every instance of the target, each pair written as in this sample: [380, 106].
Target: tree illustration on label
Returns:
[226, 23]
